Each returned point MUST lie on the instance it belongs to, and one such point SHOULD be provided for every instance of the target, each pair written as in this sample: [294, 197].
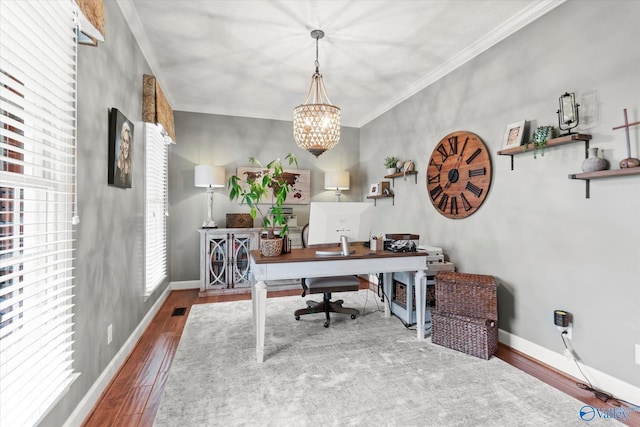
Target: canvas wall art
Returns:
[120, 147]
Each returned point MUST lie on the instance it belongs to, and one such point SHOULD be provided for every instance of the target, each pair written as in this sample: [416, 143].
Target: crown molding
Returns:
[513, 24]
[135, 25]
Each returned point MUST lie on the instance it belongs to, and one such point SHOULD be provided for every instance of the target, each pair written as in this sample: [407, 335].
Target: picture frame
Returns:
[300, 193]
[374, 189]
[120, 150]
[513, 135]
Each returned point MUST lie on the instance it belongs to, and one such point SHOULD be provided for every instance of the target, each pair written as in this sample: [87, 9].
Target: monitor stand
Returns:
[334, 253]
[344, 251]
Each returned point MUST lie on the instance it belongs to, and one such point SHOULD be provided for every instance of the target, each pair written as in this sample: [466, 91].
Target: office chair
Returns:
[325, 286]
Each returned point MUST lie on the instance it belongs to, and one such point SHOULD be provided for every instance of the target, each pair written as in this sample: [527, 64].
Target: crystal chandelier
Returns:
[316, 123]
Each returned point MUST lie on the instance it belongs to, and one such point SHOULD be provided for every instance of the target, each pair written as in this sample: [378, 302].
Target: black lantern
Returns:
[568, 113]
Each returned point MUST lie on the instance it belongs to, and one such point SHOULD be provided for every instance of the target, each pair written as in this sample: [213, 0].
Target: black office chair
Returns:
[325, 286]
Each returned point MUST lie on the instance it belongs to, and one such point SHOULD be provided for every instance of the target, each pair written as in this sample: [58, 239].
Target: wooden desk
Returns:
[305, 263]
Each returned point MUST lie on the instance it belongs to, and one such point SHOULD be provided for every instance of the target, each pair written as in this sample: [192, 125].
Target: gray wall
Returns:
[108, 250]
[548, 246]
[229, 142]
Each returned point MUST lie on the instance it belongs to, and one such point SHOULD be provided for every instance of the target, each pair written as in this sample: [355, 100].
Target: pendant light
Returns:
[316, 123]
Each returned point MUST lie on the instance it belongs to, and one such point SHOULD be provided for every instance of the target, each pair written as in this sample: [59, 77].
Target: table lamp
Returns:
[211, 177]
[337, 181]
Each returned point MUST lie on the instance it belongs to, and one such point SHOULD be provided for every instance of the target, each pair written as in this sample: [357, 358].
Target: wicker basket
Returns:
[470, 335]
[400, 295]
[471, 295]
[465, 317]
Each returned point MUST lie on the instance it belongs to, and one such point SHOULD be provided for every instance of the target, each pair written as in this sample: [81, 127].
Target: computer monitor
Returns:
[330, 220]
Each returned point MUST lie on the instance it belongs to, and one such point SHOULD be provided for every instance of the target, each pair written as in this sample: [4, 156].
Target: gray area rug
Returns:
[370, 371]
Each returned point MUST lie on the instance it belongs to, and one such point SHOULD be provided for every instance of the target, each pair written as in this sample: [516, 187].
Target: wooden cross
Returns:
[626, 127]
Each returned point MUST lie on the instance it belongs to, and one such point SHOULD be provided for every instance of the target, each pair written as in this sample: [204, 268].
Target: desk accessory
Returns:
[629, 162]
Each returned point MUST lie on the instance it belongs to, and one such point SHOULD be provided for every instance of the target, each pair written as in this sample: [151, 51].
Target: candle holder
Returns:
[568, 117]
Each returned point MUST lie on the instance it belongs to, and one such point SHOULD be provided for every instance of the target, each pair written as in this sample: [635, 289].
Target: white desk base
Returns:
[261, 272]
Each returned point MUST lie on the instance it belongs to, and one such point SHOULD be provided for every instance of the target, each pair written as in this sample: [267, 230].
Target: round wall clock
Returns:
[459, 174]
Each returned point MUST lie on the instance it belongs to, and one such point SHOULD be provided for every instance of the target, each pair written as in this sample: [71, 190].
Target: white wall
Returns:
[548, 246]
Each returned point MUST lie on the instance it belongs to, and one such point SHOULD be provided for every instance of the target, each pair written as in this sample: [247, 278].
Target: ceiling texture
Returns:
[255, 58]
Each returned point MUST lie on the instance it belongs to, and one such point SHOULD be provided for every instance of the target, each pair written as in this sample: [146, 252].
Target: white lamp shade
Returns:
[209, 176]
[336, 180]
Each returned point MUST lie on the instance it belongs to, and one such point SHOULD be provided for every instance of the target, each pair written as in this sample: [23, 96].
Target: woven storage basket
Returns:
[465, 317]
[472, 295]
[470, 335]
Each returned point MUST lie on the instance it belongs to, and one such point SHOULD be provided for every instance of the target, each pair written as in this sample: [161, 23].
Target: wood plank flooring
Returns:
[133, 396]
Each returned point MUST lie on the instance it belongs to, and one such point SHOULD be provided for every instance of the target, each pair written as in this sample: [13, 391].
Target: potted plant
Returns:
[271, 185]
[391, 164]
[539, 140]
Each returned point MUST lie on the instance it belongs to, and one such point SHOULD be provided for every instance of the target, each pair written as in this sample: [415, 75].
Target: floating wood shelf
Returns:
[393, 176]
[553, 142]
[588, 176]
[392, 196]
[605, 174]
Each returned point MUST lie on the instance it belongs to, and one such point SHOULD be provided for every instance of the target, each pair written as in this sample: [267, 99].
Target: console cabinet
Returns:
[224, 257]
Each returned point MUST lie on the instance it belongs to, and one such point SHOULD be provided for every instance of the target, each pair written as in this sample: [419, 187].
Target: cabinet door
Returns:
[218, 261]
[239, 246]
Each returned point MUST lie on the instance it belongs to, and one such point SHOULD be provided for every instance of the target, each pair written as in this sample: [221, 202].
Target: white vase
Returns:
[391, 171]
[593, 162]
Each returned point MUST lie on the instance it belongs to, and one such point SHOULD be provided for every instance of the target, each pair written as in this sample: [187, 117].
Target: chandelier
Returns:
[316, 123]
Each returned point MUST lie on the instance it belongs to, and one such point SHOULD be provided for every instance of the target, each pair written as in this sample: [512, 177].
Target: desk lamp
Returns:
[337, 181]
[211, 177]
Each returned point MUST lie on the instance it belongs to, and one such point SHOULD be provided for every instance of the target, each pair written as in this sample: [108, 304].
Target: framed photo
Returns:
[513, 135]
[374, 189]
[120, 146]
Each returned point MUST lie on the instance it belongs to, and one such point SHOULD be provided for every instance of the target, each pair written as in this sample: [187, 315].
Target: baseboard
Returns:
[87, 403]
[184, 285]
[600, 380]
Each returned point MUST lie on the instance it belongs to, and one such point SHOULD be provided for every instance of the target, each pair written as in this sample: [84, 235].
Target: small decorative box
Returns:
[239, 220]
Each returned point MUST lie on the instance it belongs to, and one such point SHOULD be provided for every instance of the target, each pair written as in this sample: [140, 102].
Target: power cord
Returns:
[599, 394]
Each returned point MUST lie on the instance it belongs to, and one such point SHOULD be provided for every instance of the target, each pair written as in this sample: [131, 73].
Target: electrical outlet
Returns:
[569, 333]
[109, 334]
[638, 354]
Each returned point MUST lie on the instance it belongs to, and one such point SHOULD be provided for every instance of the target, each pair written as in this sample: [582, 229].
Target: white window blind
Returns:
[156, 206]
[37, 184]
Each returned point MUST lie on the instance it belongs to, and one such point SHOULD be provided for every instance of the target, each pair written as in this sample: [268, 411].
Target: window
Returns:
[156, 207]
[37, 185]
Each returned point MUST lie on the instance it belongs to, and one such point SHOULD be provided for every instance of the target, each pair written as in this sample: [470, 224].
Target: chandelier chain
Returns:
[317, 62]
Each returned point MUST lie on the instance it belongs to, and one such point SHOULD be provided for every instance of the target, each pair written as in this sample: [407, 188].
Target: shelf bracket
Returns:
[511, 161]
[586, 188]
[586, 181]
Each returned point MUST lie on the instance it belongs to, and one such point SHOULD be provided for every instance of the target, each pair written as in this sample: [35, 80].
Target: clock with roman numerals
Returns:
[459, 174]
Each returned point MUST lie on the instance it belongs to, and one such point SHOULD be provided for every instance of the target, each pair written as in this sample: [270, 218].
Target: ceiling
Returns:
[255, 58]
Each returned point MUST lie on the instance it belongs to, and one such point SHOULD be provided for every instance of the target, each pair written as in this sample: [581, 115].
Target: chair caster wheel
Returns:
[326, 324]
[353, 316]
[297, 317]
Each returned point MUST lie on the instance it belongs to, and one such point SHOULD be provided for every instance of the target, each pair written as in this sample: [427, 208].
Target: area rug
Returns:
[371, 371]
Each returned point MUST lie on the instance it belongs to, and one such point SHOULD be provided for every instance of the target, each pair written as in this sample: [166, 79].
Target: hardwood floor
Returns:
[133, 396]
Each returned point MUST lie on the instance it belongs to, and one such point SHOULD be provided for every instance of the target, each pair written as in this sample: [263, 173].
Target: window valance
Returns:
[90, 21]
[155, 107]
